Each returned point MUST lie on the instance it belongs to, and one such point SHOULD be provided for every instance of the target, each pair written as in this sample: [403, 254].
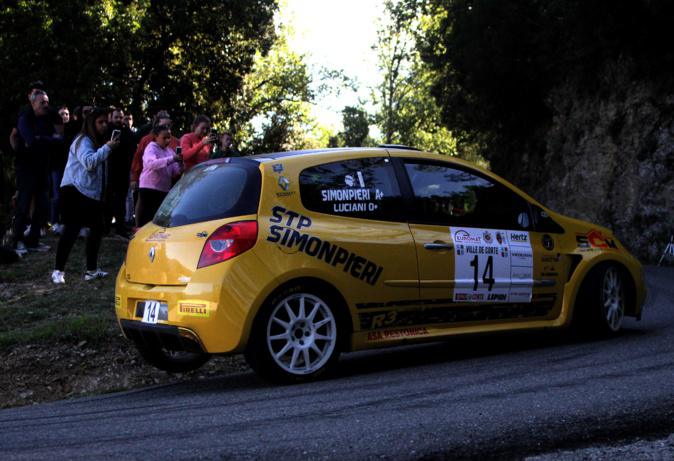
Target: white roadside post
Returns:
[669, 250]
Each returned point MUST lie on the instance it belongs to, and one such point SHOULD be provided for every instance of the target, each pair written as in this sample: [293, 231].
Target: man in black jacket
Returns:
[119, 166]
[37, 136]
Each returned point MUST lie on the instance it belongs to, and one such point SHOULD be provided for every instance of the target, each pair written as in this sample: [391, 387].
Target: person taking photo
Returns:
[82, 193]
[198, 144]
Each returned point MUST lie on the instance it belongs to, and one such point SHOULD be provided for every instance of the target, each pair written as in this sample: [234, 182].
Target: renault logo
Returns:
[152, 254]
[284, 182]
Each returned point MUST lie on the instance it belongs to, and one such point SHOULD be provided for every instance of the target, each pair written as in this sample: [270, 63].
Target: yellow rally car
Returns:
[292, 258]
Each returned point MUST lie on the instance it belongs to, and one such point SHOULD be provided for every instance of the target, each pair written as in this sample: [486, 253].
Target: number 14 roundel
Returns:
[492, 265]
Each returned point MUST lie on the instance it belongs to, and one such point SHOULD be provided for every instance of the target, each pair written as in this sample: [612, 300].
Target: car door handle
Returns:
[438, 246]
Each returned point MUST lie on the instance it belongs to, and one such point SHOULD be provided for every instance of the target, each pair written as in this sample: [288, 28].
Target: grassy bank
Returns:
[60, 341]
[33, 310]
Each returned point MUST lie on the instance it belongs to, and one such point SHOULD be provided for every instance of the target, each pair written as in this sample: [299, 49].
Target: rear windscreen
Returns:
[211, 191]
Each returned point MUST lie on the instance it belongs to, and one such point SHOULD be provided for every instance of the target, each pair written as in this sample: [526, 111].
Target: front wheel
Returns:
[296, 337]
[612, 300]
[172, 361]
[601, 301]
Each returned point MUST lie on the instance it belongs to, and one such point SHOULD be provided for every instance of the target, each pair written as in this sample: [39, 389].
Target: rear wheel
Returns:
[172, 361]
[601, 301]
[295, 338]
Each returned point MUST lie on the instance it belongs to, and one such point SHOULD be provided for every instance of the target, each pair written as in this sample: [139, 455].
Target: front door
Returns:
[474, 246]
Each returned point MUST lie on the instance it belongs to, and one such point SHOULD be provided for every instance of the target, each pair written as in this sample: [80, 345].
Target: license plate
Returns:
[152, 311]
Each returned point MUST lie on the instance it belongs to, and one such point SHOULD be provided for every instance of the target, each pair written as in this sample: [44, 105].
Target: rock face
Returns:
[609, 158]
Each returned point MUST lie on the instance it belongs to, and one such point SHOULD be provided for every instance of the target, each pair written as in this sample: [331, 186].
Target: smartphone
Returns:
[179, 150]
[115, 135]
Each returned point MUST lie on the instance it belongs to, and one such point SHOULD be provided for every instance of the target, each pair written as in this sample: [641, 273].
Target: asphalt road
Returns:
[503, 396]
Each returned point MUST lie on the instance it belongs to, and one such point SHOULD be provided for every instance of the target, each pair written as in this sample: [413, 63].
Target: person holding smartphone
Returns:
[82, 193]
[119, 165]
[197, 145]
[160, 166]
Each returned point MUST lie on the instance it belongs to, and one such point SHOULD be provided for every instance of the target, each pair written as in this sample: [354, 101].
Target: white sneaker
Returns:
[20, 249]
[84, 232]
[58, 277]
[97, 274]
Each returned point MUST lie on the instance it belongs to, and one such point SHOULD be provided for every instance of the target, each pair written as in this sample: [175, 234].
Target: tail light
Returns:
[228, 241]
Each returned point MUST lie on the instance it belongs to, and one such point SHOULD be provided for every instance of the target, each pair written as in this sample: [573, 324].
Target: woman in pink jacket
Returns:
[160, 165]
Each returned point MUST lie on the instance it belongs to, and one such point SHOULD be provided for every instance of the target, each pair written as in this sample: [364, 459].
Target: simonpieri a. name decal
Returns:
[492, 265]
[356, 198]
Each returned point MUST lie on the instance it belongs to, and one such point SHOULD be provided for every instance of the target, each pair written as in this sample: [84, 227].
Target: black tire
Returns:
[172, 361]
[284, 349]
[600, 306]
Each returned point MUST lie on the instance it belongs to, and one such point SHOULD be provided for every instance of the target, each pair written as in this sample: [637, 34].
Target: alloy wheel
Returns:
[613, 299]
[301, 334]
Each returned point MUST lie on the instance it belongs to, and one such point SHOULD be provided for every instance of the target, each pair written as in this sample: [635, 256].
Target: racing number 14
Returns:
[487, 275]
[151, 312]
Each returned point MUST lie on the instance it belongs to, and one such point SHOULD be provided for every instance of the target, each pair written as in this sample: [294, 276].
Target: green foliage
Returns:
[494, 63]
[356, 126]
[271, 112]
[407, 113]
[191, 56]
[395, 50]
[186, 56]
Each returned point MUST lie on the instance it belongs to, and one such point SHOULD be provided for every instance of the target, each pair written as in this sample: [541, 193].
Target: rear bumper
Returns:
[210, 308]
[162, 336]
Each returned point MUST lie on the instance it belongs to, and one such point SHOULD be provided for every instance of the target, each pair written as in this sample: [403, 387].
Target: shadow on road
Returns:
[460, 348]
[466, 347]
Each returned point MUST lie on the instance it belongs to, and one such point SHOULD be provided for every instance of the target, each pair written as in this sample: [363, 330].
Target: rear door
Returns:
[356, 204]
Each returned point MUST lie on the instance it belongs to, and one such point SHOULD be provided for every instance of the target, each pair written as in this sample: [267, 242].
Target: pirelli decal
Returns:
[288, 230]
[193, 309]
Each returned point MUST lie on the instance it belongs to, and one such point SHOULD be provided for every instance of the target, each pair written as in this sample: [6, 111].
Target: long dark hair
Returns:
[89, 127]
[201, 118]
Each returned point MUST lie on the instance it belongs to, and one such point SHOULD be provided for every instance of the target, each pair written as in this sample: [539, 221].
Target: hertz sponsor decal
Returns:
[397, 334]
[286, 232]
[193, 309]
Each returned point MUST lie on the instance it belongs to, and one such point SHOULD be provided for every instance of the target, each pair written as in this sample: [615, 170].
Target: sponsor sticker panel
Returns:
[492, 265]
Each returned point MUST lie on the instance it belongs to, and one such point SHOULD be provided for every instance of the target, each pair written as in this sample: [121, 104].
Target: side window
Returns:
[544, 223]
[360, 188]
[451, 196]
